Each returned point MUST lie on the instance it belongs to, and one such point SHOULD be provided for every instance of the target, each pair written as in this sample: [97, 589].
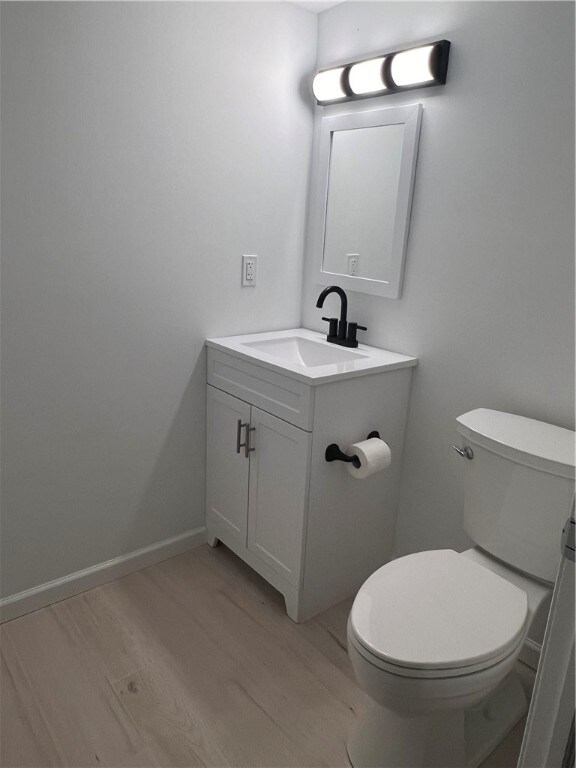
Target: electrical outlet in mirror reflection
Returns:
[353, 264]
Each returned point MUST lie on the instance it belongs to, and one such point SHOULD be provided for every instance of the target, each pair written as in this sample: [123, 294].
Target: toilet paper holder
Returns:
[333, 452]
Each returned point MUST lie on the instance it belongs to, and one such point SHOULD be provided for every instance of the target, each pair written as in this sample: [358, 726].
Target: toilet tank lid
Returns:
[527, 441]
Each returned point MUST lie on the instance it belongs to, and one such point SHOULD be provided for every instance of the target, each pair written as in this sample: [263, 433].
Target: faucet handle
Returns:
[351, 340]
[333, 327]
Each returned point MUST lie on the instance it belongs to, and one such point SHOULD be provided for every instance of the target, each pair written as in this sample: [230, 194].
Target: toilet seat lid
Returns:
[438, 610]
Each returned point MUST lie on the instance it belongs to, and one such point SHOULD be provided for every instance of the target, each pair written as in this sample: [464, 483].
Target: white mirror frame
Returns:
[411, 117]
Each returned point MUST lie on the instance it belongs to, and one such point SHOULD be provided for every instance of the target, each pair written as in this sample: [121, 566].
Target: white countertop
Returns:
[283, 352]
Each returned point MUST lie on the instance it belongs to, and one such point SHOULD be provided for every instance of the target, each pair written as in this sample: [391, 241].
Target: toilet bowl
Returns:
[433, 637]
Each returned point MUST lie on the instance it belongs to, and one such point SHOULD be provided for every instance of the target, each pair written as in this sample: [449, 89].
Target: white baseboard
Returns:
[530, 653]
[59, 589]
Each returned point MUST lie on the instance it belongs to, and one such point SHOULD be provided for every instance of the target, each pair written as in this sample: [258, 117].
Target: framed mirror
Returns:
[363, 195]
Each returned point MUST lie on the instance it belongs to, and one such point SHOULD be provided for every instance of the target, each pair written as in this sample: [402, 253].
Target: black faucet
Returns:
[340, 331]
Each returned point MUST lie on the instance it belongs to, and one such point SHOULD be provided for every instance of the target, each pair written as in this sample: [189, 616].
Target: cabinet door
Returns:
[278, 492]
[226, 470]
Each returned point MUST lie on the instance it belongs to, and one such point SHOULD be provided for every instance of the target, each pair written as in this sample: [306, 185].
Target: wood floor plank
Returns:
[233, 670]
[319, 643]
[168, 718]
[191, 662]
[184, 618]
[199, 718]
[103, 617]
[327, 633]
[271, 618]
[86, 721]
[296, 695]
[25, 739]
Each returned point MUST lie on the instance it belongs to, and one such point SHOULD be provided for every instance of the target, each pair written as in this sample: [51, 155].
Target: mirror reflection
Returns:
[363, 182]
[362, 195]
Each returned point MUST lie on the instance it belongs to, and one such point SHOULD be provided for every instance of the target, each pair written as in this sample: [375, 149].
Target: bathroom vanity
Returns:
[275, 401]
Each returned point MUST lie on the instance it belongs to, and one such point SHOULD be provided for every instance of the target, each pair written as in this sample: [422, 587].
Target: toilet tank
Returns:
[519, 488]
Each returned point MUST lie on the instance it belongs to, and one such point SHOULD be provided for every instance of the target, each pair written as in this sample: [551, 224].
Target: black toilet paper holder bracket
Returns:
[333, 452]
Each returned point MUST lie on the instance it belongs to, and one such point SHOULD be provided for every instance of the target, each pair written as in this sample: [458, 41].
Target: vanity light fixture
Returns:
[412, 66]
[419, 67]
[365, 77]
[328, 86]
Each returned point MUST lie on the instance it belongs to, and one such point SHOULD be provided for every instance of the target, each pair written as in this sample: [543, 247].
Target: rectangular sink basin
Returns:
[306, 352]
[307, 356]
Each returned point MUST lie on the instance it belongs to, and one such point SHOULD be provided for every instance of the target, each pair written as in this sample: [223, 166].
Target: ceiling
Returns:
[316, 6]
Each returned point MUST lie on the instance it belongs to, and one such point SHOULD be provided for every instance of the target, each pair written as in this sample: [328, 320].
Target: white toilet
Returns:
[433, 636]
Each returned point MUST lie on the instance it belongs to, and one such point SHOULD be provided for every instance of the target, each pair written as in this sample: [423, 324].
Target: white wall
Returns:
[145, 147]
[488, 301]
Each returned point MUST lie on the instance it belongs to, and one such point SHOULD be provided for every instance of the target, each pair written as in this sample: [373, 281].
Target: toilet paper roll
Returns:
[374, 454]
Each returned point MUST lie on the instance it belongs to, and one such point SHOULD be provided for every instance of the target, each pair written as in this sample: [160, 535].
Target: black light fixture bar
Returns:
[421, 66]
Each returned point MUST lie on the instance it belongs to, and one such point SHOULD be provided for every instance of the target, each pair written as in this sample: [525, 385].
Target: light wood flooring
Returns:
[191, 662]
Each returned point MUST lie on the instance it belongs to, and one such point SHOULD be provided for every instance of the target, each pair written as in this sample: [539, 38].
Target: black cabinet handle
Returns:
[239, 427]
[249, 449]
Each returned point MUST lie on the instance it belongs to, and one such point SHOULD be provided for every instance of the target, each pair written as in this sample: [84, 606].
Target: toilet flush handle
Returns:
[466, 452]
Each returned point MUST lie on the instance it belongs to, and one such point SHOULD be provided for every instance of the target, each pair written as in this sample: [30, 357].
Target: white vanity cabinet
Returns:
[307, 526]
[257, 489]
